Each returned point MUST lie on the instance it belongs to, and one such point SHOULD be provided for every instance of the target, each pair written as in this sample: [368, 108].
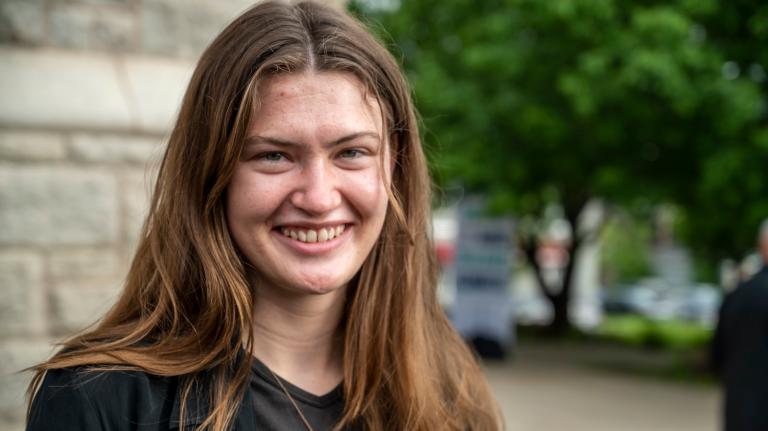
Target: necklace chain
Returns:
[290, 398]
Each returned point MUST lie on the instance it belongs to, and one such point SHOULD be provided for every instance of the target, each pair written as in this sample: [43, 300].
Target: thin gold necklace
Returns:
[290, 398]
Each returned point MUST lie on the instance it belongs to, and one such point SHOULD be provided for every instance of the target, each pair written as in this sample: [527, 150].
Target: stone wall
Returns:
[89, 91]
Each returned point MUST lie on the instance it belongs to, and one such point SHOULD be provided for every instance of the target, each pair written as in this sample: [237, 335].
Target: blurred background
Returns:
[600, 168]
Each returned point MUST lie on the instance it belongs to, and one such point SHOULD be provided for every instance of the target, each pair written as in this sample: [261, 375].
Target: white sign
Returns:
[484, 254]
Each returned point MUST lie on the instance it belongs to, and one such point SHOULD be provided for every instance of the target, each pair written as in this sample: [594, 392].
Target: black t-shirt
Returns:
[275, 412]
[74, 399]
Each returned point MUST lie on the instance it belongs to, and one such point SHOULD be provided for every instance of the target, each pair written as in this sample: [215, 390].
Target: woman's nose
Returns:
[318, 190]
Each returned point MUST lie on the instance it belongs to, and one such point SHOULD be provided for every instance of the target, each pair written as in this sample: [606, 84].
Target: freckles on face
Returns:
[308, 197]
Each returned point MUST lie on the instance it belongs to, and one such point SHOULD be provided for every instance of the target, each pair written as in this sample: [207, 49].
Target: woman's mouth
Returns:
[312, 235]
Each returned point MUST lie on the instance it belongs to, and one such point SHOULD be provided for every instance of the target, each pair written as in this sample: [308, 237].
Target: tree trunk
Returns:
[559, 297]
[561, 319]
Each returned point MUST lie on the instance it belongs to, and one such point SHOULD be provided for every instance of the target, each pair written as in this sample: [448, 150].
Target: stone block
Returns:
[31, 146]
[76, 305]
[183, 28]
[84, 92]
[115, 148]
[107, 26]
[199, 26]
[22, 298]
[84, 264]
[15, 423]
[22, 21]
[159, 31]
[106, 2]
[157, 88]
[57, 206]
[114, 29]
[136, 191]
[16, 355]
[230, 9]
[70, 25]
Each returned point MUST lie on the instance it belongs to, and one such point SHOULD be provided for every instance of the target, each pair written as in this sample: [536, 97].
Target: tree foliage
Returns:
[625, 252]
[563, 101]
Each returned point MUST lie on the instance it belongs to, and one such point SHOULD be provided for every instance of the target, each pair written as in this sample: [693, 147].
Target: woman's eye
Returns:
[272, 156]
[351, 153]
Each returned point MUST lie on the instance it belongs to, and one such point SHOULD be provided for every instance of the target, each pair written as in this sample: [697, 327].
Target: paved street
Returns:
[544, 388]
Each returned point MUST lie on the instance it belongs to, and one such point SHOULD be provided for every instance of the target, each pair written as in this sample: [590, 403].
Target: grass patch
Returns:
[673, 335]
[633, 345]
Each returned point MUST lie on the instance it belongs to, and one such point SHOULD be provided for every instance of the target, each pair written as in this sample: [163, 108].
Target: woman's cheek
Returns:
[368, 191]
[266, 189]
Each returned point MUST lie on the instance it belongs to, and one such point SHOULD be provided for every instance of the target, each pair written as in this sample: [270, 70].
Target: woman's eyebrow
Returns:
[259, 139]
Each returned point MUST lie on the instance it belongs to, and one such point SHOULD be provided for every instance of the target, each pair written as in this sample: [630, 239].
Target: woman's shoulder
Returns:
[92, 398]
[86, 378]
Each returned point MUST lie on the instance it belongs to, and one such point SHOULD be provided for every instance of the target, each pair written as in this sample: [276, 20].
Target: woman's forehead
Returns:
[298, 84]
[309, 105]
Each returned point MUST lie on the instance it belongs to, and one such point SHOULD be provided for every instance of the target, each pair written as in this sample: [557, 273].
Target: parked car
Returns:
[658, 299]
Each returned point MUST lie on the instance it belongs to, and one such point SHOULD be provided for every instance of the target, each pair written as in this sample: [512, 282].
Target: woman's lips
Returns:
[313, 241]
[308, 235]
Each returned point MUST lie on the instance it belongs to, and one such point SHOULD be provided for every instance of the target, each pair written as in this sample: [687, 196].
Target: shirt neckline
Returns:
[321, 401]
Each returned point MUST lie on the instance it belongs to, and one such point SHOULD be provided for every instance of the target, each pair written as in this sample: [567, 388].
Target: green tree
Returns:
[729, 202]
[625, 246]
[535, 102]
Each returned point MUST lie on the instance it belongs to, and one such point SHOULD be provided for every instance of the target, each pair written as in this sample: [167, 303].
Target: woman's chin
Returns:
[323, 290]
[318, 286]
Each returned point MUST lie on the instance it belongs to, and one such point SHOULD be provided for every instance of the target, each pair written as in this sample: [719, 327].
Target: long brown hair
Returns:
[186, 306]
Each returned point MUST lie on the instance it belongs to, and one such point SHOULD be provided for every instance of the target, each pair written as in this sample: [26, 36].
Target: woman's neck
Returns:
[299, 337]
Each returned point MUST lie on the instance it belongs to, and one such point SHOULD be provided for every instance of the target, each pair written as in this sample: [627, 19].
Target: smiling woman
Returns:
[285, 277]
[310, 171]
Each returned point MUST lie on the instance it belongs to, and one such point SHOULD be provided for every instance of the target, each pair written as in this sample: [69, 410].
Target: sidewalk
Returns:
[544, 388]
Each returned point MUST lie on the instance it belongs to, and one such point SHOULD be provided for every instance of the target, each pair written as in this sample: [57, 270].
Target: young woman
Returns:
[284, 278]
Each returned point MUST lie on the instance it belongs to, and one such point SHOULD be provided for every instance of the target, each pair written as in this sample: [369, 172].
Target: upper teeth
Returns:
[312, 235]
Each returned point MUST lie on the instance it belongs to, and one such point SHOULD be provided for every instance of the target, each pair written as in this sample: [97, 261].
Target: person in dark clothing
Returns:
[78, 399]
[740, 349]
[284, 278]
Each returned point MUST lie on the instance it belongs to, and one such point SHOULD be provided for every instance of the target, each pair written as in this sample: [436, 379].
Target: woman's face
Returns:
[308, 197]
